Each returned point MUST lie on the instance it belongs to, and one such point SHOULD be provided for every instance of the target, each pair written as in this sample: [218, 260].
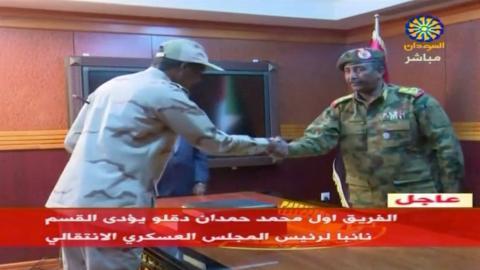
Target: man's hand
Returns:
[277, 148]
[199, 189]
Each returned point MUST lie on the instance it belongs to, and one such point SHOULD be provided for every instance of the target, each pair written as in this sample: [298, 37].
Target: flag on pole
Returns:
[377, 43]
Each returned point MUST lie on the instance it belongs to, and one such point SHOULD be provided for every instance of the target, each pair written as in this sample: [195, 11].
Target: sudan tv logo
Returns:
[424, 28]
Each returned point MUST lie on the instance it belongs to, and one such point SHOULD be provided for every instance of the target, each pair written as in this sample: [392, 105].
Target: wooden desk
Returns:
[352, 258]
[179, 201]
[345, 258]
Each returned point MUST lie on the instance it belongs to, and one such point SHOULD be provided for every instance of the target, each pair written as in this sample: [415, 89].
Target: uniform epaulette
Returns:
[340, 100]
[413, 91]
[180, 87]
[176, 85]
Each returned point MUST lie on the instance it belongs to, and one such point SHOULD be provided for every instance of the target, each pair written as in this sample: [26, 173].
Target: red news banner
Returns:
[254, 228]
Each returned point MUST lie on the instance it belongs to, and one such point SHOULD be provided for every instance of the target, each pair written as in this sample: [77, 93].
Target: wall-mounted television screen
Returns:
[238, 100]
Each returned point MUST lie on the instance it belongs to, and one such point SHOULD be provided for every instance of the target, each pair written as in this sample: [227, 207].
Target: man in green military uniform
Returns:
[393, 139]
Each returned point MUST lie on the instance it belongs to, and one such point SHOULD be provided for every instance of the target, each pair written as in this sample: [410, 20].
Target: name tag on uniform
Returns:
[394, 115]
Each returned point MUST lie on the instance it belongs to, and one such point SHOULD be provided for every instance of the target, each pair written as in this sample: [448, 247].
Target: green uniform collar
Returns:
[384, 94]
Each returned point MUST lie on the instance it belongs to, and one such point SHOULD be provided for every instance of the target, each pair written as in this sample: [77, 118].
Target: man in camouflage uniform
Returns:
[393, 139]
[122, 139]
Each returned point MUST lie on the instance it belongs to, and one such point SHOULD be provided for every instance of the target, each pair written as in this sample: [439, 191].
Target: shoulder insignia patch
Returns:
[413, 91]
[341, 99]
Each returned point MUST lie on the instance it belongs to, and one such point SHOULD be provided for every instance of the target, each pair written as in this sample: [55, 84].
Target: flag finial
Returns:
[377, 23]
[377, 42]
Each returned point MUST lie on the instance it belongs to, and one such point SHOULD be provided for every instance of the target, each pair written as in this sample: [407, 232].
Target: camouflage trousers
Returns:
[368, 197]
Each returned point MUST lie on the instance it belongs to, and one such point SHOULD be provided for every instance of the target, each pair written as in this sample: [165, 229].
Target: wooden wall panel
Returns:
[28, 177]
[430, 77]
[32, 79]
[113, 45]
[32, 139]
[108, 23]
[463, 71]
[298, 179]
[471, 153]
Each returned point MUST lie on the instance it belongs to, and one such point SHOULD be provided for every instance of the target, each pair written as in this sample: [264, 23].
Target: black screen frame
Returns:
[77, 66]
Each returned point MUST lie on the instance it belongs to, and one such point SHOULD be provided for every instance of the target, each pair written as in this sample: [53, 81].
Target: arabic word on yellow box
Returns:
[430, 200]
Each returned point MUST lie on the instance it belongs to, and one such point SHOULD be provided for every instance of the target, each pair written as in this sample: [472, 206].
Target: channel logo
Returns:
[424, 28]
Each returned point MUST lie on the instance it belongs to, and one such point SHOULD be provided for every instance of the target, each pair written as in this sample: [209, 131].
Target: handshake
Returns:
[277, 148]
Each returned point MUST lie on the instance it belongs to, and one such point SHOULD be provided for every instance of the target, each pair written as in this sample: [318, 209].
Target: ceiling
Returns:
[326, 14]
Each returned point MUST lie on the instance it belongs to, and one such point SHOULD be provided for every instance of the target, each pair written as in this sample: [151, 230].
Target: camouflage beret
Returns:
[360, 55]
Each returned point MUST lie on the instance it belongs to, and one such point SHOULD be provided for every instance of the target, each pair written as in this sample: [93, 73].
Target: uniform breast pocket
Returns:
[415, 186]
[396, 133]
[353, 136]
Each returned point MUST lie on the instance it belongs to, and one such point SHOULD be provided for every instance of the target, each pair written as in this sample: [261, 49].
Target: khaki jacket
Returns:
[121, 140]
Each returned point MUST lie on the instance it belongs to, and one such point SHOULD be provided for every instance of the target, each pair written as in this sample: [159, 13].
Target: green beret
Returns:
[360, 55]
